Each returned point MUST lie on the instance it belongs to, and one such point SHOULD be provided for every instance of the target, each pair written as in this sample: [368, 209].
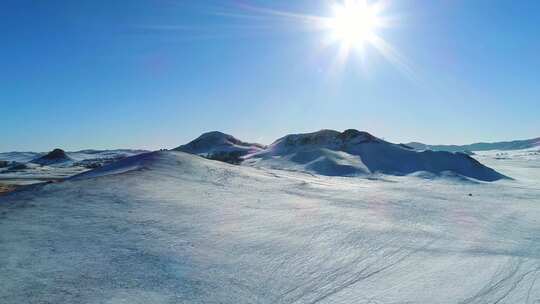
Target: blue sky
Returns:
[156, 74]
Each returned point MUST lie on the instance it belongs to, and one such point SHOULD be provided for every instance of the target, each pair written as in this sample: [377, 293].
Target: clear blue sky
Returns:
[152, 74]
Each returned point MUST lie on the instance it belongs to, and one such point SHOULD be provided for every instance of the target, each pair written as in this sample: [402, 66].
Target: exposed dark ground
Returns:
[6, 188]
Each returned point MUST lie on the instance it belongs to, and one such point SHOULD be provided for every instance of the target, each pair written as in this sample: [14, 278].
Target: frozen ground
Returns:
[169, 227]
[5, 188]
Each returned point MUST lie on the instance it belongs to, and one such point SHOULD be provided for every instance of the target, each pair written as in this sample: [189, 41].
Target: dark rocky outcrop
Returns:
[56, 156]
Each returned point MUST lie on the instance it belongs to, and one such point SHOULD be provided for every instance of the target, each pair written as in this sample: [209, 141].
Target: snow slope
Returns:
[103, 154]
[137, 162]
[169, 227]
[352, 152]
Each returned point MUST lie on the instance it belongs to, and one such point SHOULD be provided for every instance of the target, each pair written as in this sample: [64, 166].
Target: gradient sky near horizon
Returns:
[158, 73]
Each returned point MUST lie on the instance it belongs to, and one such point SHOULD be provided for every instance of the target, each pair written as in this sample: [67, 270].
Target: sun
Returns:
[354, 23]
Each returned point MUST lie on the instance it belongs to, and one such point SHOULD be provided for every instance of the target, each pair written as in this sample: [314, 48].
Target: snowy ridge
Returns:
[103, 154]
[353, 152]
[128, 164]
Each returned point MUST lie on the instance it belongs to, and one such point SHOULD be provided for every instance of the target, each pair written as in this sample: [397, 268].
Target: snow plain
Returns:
[169, 227]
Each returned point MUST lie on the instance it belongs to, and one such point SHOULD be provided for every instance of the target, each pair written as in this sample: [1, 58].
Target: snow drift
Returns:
[353, 152]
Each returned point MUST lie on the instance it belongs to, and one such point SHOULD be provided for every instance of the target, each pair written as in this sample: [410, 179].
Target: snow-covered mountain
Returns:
[220, 146]
[503, 145]
[353, 152]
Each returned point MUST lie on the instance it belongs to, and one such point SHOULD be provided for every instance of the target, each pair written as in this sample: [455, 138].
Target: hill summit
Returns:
[56, 156]
[220, 146]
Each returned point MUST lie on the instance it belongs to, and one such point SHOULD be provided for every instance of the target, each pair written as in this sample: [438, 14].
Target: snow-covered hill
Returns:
[503, 145]
[55, 157]
[220, 146]
[169, 227]
[326, 152]
[352, 152]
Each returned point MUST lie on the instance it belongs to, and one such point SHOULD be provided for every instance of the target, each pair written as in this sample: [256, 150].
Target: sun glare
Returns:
[354, 23]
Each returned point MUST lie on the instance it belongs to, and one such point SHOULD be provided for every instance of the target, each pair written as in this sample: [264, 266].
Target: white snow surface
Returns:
[170, 227]
[353, 152]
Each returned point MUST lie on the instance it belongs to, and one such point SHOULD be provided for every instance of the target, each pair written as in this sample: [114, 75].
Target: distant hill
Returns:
[333, 153]
[503, 145]
[55, 157]
[24, 157]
